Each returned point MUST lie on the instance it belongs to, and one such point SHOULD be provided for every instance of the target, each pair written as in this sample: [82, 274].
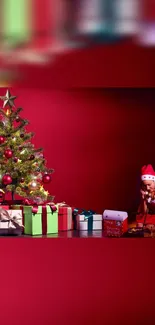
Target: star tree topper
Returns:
[8, 99]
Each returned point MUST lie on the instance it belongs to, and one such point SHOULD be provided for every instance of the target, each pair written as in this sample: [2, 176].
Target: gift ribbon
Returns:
[44, 214]
[27, 202]
[63, 204]
[44, 220]
[88, 215]
[35, 206]
[5, 217]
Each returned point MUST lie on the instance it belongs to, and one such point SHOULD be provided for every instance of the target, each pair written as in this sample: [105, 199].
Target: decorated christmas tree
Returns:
[23, 168]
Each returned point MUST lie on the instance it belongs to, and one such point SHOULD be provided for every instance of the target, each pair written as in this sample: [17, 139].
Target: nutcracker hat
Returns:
[147, 173]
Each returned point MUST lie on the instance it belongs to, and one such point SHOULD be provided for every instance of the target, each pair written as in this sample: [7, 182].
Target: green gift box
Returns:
[40, 220]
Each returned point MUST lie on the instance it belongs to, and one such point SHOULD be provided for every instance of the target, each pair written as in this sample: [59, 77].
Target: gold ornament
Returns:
[8, 99]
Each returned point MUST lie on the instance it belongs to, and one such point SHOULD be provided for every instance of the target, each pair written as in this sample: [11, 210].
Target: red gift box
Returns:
[64, 217]
[115, 223]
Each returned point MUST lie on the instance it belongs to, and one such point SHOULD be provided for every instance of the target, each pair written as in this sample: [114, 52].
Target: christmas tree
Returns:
[22, 167]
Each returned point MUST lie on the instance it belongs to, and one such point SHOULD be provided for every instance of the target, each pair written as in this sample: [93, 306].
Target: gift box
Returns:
[39, 220]
[89, 222]
[10, 222]
[115, 223]
[65, 221]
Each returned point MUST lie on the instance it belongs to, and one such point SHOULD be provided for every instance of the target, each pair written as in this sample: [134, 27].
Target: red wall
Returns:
[95, 140]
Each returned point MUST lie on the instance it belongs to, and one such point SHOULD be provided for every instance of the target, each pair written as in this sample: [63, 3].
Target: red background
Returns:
[124, 64]
[97, 142]
[97, 163]
[77, 281]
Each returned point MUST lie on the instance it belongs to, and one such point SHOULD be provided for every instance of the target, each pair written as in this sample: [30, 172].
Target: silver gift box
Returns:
[10, 222]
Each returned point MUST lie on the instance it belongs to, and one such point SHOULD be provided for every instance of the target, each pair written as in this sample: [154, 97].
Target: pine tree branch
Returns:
[28, 145]
[23, 123]
[29, 136]
[15, 113]
[38, 150]
[3, 145]
[50, 171]
[3, 113]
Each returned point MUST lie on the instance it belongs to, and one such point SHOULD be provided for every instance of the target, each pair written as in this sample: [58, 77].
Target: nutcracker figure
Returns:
[146, 211]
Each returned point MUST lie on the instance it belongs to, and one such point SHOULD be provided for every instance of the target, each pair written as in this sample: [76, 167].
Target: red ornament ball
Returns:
[2, 139]
[8, 153]
[22, 135]
[15, 159]
[20, 148]
[46, 178]
[22, 180]
[6, 179]
[17, 119]
[32, 157]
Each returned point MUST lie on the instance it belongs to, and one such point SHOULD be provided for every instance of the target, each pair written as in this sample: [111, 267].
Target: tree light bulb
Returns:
[33, 184]
[23, 151]
[8, 112]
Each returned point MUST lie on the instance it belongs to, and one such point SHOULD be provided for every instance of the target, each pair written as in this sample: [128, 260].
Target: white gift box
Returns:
[93, 222]
[126, 16]
[91, 16]
[10, 222]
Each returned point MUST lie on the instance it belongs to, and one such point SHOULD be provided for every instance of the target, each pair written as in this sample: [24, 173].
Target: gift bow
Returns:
[35, 206]
[87, 213]
[63, 204]
[5, 216]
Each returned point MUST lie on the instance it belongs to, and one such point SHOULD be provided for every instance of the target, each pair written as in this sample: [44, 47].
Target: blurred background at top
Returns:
[38, 32]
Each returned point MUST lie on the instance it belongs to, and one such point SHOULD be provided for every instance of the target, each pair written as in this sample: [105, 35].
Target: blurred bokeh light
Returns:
[35, 32]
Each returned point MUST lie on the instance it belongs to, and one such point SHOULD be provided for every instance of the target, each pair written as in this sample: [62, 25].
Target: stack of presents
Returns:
[16, 219]
[53, 218]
